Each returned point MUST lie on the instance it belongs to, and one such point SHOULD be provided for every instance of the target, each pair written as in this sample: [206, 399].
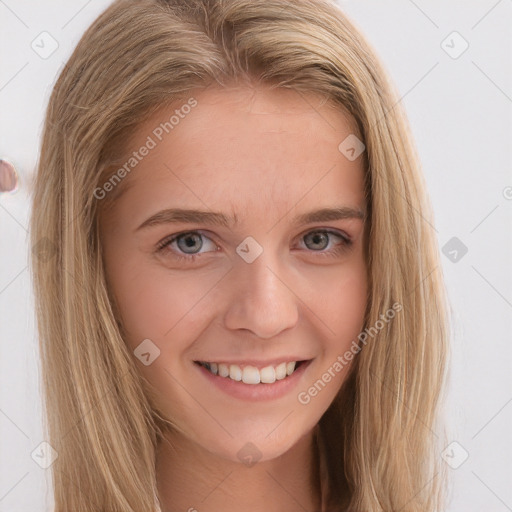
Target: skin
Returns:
[266, 155]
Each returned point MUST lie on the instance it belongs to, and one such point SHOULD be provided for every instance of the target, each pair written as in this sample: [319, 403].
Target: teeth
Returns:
[251, 374]
[268, 375]
[235, 372]
[223, 370]
[281, 371]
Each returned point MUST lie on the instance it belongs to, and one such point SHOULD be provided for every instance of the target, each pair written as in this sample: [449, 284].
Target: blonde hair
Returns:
[136, 57]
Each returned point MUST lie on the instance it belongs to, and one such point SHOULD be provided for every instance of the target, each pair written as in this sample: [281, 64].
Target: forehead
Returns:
[245, 149]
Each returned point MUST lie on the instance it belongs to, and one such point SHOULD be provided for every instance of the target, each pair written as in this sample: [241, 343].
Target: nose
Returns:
[261, 299]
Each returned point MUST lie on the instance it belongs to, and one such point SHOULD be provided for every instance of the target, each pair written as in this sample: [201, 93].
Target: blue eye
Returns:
[322, 239]
[190, 243]
[187, 246]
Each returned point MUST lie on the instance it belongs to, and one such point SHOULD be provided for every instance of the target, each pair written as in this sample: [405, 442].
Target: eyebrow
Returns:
[175, 215]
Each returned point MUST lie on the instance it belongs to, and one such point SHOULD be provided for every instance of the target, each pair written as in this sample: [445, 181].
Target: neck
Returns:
[193, 479]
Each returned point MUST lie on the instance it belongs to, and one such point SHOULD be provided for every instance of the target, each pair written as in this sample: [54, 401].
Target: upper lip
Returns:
[253, 362]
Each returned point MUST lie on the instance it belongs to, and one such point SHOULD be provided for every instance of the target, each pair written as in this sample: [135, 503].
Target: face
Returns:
[237, 242]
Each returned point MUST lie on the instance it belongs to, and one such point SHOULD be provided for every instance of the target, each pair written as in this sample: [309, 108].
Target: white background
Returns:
[460, 113]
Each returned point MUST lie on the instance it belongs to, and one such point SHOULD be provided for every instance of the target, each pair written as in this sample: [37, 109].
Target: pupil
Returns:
[319, 238]
[190, 241]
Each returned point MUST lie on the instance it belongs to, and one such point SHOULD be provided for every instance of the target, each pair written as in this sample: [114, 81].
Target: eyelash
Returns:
[337, 251]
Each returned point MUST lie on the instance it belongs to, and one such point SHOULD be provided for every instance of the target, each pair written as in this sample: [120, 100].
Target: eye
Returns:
[187, 245]
[322, 239]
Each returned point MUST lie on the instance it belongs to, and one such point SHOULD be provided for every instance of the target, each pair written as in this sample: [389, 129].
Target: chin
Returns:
[257, 444]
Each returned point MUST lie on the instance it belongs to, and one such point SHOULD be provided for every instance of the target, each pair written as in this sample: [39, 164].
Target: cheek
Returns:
[156, 303]
[338, 298]
[340, 303]
[349, 304]
[162, 304]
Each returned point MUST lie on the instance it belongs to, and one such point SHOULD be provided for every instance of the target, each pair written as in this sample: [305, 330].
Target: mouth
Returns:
[250, 374]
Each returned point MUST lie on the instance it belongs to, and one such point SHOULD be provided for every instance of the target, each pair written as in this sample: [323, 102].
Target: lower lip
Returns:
[255, 392]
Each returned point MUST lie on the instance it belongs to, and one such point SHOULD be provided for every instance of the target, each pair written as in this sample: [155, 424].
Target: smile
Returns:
[249, 374]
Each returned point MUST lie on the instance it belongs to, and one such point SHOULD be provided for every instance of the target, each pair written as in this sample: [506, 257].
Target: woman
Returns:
[244, 307]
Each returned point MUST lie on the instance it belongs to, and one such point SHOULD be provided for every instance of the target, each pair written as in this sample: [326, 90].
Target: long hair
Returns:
[379, 434]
